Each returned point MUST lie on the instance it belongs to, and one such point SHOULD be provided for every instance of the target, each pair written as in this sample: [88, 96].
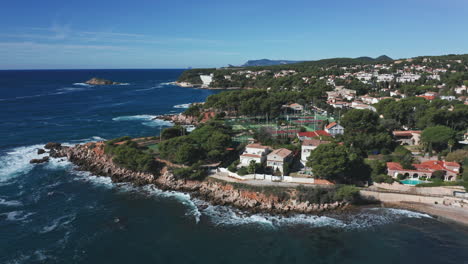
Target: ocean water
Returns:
[50, 213]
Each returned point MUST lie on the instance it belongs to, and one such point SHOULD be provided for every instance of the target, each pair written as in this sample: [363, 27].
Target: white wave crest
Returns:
[16, 161]
[182, 105]
[59, 222]
[134, 117]
[183, 198]
[149, 89]
[12, 203]
[17, 216]
[83, 84]
[72, 89]
[149, 120]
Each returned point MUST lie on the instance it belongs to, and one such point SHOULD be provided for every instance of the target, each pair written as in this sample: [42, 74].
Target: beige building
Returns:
[278, 157]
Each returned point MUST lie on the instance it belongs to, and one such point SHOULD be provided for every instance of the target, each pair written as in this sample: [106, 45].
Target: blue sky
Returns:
[53, 34]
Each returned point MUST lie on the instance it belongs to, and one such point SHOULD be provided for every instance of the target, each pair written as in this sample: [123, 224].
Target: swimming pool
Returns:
[412, 182]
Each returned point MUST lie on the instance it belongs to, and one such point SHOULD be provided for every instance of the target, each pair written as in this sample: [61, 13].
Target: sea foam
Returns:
[149, 120]
[15, 162]
[182, 106]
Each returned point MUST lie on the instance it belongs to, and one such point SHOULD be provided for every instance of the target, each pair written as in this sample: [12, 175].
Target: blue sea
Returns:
[51, 213]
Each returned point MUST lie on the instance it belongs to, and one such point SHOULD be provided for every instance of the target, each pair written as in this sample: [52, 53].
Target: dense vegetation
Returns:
[338, 163]
[129, 155]
[207, 143]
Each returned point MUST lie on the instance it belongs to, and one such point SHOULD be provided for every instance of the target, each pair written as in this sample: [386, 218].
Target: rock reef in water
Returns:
[99, 81]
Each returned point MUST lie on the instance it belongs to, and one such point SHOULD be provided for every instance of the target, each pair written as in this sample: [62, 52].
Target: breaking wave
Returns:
[83, 84]
[57, 223]
[15, 162]
[17, 216]
[182, 106]
[149, 120]
[12, 203]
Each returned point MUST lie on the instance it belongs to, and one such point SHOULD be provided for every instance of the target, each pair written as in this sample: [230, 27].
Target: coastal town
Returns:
[392, 131]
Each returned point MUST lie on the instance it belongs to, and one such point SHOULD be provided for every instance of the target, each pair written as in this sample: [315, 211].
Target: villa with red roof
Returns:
[425, 169]
[312, 134]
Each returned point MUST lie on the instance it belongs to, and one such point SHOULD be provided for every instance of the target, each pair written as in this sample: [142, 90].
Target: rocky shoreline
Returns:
[90, 157]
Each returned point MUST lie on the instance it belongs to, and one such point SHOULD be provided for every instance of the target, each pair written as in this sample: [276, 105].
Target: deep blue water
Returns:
[50, 213]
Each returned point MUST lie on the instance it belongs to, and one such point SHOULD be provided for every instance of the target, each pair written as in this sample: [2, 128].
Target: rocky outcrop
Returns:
[91, 157]
[99, 81]
[53, 145]
[179, 119]
[40, 151]
[42, 160]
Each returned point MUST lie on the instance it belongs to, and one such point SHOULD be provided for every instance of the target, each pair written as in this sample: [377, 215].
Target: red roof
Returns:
[406, 132]
[251, 155]
[257, 146]
[427, 97]
[436, 165]
[313, 142]
[330, 125]
[428, 166]
[316, 133]
[394, 166]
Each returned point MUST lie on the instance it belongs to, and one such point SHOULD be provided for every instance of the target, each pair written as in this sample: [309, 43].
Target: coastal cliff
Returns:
[91, 157]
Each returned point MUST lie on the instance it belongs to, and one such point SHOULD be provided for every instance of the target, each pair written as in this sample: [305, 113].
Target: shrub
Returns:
[242, 171]
[194, 172]
[382, 178]
[401, 177]
[348, 193]
[129, 155]
[440, 174]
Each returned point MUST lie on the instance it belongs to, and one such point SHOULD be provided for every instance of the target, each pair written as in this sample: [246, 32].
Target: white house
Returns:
[448, 97]
[385, 77]
[255, 152]
[277, 158]
[334, 129]
[460, 89]
[408, 77]
[206, 79]
[307, 146]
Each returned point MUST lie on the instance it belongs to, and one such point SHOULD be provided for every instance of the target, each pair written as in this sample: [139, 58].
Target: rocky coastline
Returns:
[91, 157]
[178, 119]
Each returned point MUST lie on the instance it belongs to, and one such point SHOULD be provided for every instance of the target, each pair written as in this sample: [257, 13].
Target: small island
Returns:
[100, 81]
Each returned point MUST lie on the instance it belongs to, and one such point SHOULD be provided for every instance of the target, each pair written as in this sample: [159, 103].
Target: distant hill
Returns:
[267, 62]
[380, 58]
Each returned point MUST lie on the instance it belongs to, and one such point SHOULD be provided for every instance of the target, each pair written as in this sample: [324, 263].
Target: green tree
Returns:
[253, 166]
[336, 163]
[437, 138]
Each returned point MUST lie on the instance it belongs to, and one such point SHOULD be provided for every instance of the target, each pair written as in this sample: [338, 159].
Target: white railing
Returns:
[267, 177]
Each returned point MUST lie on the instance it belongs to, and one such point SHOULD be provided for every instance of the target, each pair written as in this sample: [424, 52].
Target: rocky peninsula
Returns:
[91, 157]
